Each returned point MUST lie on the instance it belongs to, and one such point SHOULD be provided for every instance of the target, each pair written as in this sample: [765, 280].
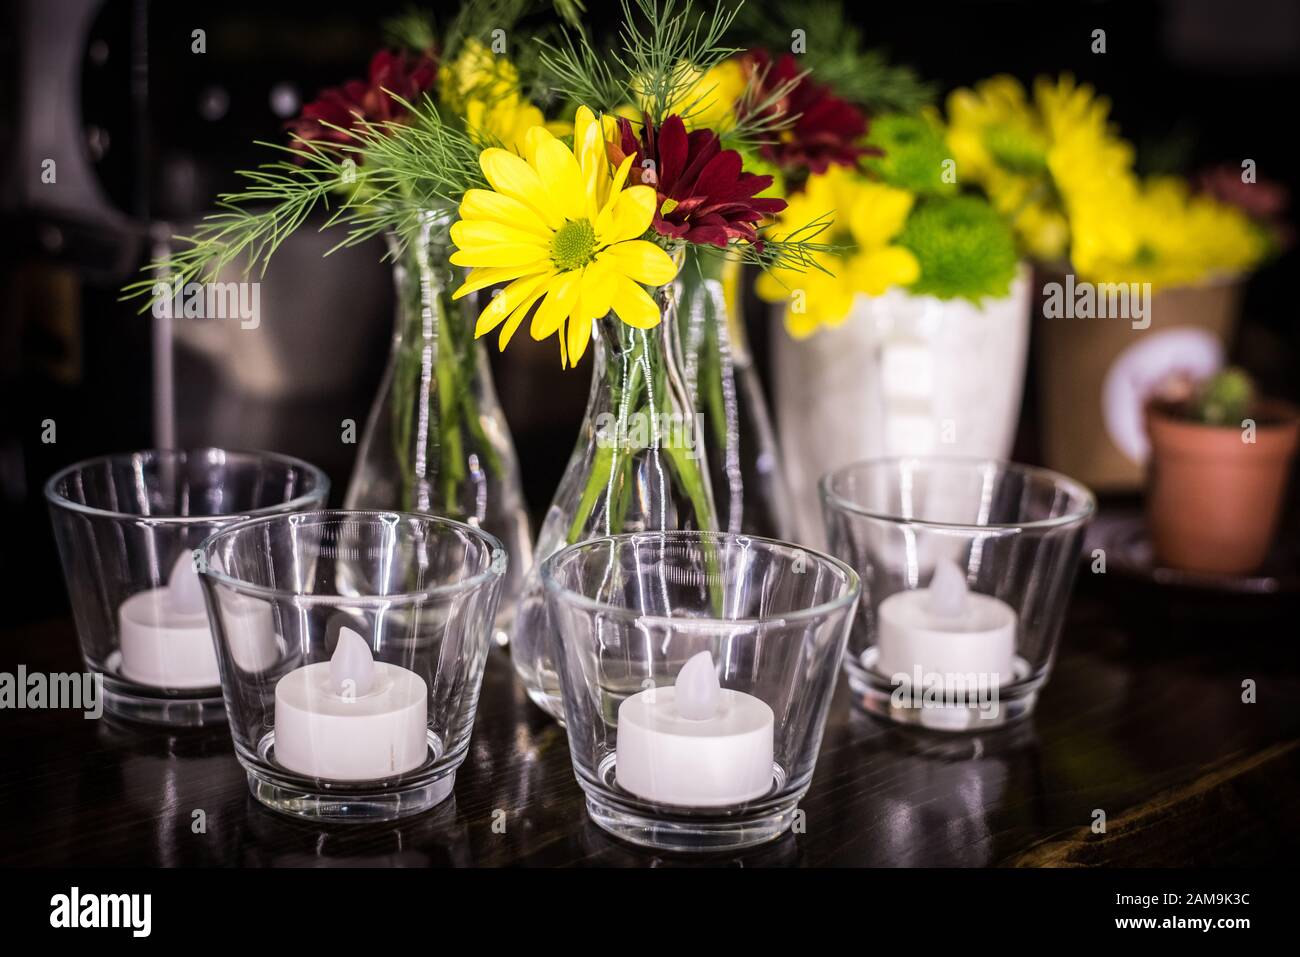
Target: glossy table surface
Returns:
[1143, 720]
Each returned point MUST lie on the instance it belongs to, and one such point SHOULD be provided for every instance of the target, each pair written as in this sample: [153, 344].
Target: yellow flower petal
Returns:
[500, 208]
[876, 270]
[533, 139]
[483, 277]
[560, 299]
[640, 260]
[516, 317]
[472, 234]
[509, 174]
[589, 149]
[634, 305]
[878, 213]
[596, 291]
[505, 301]
[629, 216]
[560, 173]
[579, 336]
[521, 254]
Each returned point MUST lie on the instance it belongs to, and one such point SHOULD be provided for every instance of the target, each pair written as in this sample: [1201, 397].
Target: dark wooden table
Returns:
[1143, 719]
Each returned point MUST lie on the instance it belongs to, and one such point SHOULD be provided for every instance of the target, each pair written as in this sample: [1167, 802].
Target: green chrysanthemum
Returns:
[964, 248]
[914, 155]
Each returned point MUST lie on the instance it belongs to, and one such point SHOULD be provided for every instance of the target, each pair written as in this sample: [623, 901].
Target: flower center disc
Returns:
[573, 245]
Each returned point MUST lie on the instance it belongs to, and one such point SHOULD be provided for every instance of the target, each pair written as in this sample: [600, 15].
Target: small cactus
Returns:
[1225, 398]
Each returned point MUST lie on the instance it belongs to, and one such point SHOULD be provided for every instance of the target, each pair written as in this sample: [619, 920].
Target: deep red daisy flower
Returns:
[406, 75]
[705, 196]
[828, 130]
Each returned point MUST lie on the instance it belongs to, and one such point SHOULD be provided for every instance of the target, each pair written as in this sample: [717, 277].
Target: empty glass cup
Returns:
[352, 646]
[966, 566]
[128, 529]
[697, 670]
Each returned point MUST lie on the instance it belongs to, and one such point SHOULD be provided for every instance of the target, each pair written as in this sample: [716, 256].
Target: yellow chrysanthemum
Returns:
[1158, 232]
[710, 101]
[868, 216]
[707, 102]
[484, 89]
[1056, 167]
[560, 230]
[1013, 147]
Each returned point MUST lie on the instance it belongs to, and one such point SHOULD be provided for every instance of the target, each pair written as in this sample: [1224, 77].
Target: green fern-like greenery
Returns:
[379, 182]
[913, 157]
[964, 247]
[662, 46]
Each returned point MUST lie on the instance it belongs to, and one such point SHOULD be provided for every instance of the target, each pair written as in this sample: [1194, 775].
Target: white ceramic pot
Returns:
[903, 375]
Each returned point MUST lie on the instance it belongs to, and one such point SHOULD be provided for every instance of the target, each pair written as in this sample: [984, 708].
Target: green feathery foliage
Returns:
[833, 52]
[379, 182]
[963, 246]
[664, 48]
[913, 157]
[412, 29]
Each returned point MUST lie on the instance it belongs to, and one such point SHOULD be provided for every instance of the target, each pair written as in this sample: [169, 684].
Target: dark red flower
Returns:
[828, 130]
[705, 196]
[407, 75]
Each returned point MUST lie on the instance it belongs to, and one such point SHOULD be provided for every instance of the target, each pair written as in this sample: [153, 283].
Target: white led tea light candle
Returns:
[164, 633]
[695, 743]
[946, 629]
[351, 718]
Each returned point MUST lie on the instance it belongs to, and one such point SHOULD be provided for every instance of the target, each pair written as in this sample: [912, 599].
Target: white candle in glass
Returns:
[164, 634]
[695, 743]
[946, 629]
[351, 718]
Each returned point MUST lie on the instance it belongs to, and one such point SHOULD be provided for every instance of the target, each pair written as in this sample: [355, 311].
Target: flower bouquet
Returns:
[911, 339]
[1138, 276]
[391, 156]
[591, 240]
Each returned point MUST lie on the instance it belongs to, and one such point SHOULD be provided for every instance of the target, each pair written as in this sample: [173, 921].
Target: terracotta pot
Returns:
[1213, 499]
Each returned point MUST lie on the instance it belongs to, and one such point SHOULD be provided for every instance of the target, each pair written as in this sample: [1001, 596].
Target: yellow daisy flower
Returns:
[561, 231]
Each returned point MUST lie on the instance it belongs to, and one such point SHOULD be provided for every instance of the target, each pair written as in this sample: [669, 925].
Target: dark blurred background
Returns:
[145, 132]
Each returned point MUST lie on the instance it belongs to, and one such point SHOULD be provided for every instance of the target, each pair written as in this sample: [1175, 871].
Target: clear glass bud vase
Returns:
[638, 466]
[436, 440]
[744, 459]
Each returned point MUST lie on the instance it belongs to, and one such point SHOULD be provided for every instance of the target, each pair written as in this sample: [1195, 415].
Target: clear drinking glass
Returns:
[697, 671]
[352, 646]
[128, 528]
[967, 566]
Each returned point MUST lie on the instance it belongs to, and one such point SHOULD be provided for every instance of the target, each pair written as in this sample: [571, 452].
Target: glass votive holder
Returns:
[697, 669]
[967, 567]
[352, 646]
[128, 529]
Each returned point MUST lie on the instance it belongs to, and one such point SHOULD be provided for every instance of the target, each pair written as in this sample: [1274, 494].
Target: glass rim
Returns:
[1087, 498]
[55, 498]
[496, 566]
[580, 600]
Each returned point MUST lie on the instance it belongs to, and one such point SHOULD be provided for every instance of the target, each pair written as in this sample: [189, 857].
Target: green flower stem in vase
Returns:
[638, 466]
[743, 457]
[436, 439]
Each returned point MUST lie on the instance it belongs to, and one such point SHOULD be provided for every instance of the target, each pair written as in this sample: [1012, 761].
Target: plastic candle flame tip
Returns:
[947, 589]
[698, 689]
[184, 593]
[352, 666]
